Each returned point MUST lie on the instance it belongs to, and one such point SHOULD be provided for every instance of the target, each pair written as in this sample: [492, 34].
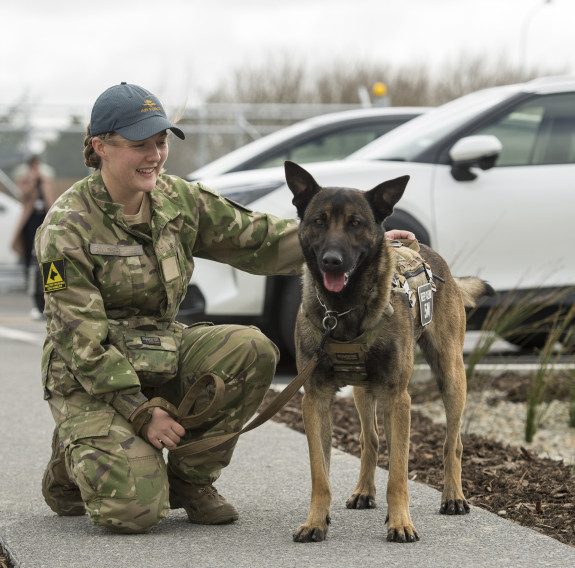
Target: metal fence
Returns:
[212, 130]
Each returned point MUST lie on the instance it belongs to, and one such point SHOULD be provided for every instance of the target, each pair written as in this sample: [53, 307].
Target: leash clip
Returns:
[330, 315]
[328, 319]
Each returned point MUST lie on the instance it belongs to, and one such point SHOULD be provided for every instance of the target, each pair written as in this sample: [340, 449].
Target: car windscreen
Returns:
[409, 140]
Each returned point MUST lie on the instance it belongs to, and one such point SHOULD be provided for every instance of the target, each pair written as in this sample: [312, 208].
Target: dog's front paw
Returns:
[454, 507]
[401, 531]
[311, 533]
[402, 534]
[360, 501]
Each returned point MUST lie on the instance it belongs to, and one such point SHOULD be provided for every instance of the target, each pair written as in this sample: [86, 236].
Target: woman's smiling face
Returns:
[131, 168]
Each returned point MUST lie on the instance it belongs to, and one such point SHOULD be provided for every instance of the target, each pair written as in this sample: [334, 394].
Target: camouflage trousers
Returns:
[123, 479]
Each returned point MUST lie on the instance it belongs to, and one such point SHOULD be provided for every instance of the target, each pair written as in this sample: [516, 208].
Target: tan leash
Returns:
[272, 408]
[180, 414]
[143, 415]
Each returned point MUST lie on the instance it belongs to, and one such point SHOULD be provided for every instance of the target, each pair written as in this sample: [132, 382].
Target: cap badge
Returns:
[150, 106]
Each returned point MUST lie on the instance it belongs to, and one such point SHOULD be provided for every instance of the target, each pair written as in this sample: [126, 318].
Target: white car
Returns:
[330, 136]
[492, 189]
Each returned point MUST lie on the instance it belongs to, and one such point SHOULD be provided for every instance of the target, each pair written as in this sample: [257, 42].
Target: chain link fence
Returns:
[212, 130]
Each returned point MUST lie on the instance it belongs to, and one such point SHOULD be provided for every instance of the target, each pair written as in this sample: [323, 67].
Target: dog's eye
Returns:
[355, 223]
[318, 221]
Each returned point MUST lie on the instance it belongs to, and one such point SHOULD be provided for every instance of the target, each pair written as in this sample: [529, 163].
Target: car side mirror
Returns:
[479, 151]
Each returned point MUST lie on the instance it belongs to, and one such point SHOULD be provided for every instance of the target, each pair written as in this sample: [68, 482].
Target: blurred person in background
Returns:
[34, 180]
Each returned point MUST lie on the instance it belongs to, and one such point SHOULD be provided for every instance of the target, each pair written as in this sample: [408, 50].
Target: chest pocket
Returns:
[119, 272]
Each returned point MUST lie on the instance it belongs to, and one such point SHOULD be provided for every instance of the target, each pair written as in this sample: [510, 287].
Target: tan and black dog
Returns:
[357, 307]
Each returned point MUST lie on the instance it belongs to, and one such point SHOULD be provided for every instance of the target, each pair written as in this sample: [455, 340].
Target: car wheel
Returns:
[404, 221]
[289, 305]
[544, 325]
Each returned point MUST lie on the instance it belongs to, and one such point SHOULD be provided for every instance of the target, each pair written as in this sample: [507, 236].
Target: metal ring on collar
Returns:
[327, 321]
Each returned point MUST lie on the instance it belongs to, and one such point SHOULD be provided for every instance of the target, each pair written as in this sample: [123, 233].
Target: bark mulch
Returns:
[511, 482]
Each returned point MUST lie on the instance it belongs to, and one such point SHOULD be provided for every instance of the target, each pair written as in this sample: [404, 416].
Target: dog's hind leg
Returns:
[446, 362]
[316, 410]
[364, 495]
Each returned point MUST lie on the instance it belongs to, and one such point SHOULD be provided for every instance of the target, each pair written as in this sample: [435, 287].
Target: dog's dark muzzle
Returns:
[331, 265]
[332, 261]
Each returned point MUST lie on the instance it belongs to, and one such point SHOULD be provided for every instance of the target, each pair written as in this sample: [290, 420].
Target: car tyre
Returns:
[290, 300]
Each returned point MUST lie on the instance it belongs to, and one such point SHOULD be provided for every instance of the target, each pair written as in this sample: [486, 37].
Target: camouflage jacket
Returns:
[97, 268]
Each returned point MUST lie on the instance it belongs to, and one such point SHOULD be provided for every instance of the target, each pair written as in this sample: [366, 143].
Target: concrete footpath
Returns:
[268, 481]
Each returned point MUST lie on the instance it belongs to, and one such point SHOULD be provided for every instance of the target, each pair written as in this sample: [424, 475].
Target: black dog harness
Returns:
[414, 278]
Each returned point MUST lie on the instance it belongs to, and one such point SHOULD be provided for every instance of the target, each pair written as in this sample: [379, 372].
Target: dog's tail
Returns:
[472, 289]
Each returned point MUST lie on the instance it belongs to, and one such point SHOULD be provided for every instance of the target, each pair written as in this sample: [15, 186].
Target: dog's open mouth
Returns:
[335, 281]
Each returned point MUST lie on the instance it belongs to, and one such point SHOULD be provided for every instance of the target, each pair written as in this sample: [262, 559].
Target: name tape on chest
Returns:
[116, 250]
[53, 275]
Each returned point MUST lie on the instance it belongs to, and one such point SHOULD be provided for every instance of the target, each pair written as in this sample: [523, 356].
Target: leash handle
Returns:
[142, 418]
[189, 421]
[272, 408]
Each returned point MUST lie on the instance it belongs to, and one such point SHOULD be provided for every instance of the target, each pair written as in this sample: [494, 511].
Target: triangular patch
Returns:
[53, 275]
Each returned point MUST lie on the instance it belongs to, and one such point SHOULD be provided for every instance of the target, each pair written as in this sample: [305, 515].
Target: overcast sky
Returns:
[68, 51]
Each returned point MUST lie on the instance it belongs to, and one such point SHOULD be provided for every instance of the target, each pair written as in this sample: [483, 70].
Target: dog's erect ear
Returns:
[302, 185]
[383, 197]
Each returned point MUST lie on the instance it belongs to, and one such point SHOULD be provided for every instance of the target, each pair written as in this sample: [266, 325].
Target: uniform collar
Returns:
[164, 208]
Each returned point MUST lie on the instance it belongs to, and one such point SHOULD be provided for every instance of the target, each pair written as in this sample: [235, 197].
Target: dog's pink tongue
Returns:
[334, 282]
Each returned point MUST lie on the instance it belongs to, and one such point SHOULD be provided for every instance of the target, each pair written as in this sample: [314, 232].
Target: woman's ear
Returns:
[99, 147]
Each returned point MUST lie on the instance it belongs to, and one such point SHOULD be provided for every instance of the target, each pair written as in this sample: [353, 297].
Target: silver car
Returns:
[331, 136]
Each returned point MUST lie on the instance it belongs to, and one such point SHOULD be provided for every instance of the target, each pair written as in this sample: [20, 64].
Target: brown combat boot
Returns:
[60, 494]
[203, 504]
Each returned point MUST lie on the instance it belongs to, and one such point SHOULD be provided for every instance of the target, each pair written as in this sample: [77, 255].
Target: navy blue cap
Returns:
[132, 112]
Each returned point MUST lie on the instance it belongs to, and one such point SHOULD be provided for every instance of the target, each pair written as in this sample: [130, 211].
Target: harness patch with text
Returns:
[53, 275]
[347, 357]
[425, 294]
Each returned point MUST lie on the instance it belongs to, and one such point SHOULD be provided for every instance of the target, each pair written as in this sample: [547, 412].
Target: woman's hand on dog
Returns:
[399, 234]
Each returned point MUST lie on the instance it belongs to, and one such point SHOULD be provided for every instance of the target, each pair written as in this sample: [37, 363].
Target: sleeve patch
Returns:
[53, 275]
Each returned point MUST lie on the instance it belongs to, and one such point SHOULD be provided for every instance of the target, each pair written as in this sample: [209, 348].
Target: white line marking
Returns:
[24, 336]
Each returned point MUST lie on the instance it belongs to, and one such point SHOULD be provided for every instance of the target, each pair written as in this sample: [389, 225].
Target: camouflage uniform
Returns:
[103, 277]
